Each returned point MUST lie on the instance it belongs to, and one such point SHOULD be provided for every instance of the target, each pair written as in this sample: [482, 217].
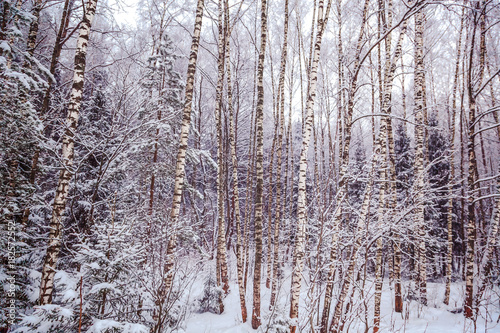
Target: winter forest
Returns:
[249, 166]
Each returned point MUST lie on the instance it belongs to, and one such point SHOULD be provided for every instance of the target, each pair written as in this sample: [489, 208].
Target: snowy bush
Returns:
[111, 326]
[212, 294]
[278, 323]
[48, 318]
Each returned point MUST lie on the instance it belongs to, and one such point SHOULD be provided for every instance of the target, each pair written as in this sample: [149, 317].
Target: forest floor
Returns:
[436, 317]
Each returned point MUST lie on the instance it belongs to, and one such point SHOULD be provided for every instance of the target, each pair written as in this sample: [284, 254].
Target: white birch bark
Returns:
[298, 260]
[181, 154]
[449, 254]
[279, 202]
[67, 157]
[221, 239]
[419, 87]
[342, 187]
[259, 115]
[234, 161]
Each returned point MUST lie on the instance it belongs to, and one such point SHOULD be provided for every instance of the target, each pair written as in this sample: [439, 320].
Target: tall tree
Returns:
[183, 142]
[419, 86]
[449, 255]
[259, 118]
[478, 15]
[234, 162]
[299, 253]
[222, 278]
[279, 201]
[67, 156]
[344, 161]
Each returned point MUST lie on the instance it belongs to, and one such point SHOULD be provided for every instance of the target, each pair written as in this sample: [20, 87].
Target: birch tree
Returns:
[477, 16]
[234, 162]
[279, 201]
[449, 255]
[181, 154]
[419, 86]
[299, 252]
[259, 118]
[342, 183]
[222, 278]
[67, 157]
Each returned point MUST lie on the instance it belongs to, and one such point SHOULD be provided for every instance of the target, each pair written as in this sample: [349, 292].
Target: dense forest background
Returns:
[282, 166]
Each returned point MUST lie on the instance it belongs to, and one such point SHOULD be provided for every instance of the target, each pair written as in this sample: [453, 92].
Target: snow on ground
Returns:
[436, 317]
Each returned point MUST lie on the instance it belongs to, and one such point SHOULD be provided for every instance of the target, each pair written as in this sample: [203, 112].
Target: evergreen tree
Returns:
[20, 133]
[436, 209]
[404, 161]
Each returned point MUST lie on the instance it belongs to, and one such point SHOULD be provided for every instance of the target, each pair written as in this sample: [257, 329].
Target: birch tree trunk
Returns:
[381, 153]
[234, 161]
[33, 32]
[56, 52]
[181, 154]
[259, 115]
[343, 161]
[365, 208]
[419, 87]
[270, 199]
[449, 254]
[249, 193]
[221, 239]
[279, 202]
[478, 14]
[298, 260]
[67, 156]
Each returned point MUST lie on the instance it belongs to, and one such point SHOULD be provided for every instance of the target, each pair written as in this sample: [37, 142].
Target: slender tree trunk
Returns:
[270, 202]
[54, 246]
[478, 14]
[181, 154]
[390, 67]
[301, 201]
[221, 239]
[419, 86]
[449, 255]
[56, 52]
[363, 215]
[259, 115]
[234, 161]
[249, 194]
[381, 152]
[342, 187]
[279, 202]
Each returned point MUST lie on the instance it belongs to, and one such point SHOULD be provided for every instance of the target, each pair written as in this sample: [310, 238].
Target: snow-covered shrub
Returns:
[111, 326]
[278, 322]
[209, 302]
[48, 318]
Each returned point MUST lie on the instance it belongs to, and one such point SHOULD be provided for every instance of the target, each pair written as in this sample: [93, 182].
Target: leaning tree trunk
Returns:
[48, 270]
[487, 262]
[419, 153]
[259, 115]
[298, 260]
[56, 52]
[181, 154]
[363, 215]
